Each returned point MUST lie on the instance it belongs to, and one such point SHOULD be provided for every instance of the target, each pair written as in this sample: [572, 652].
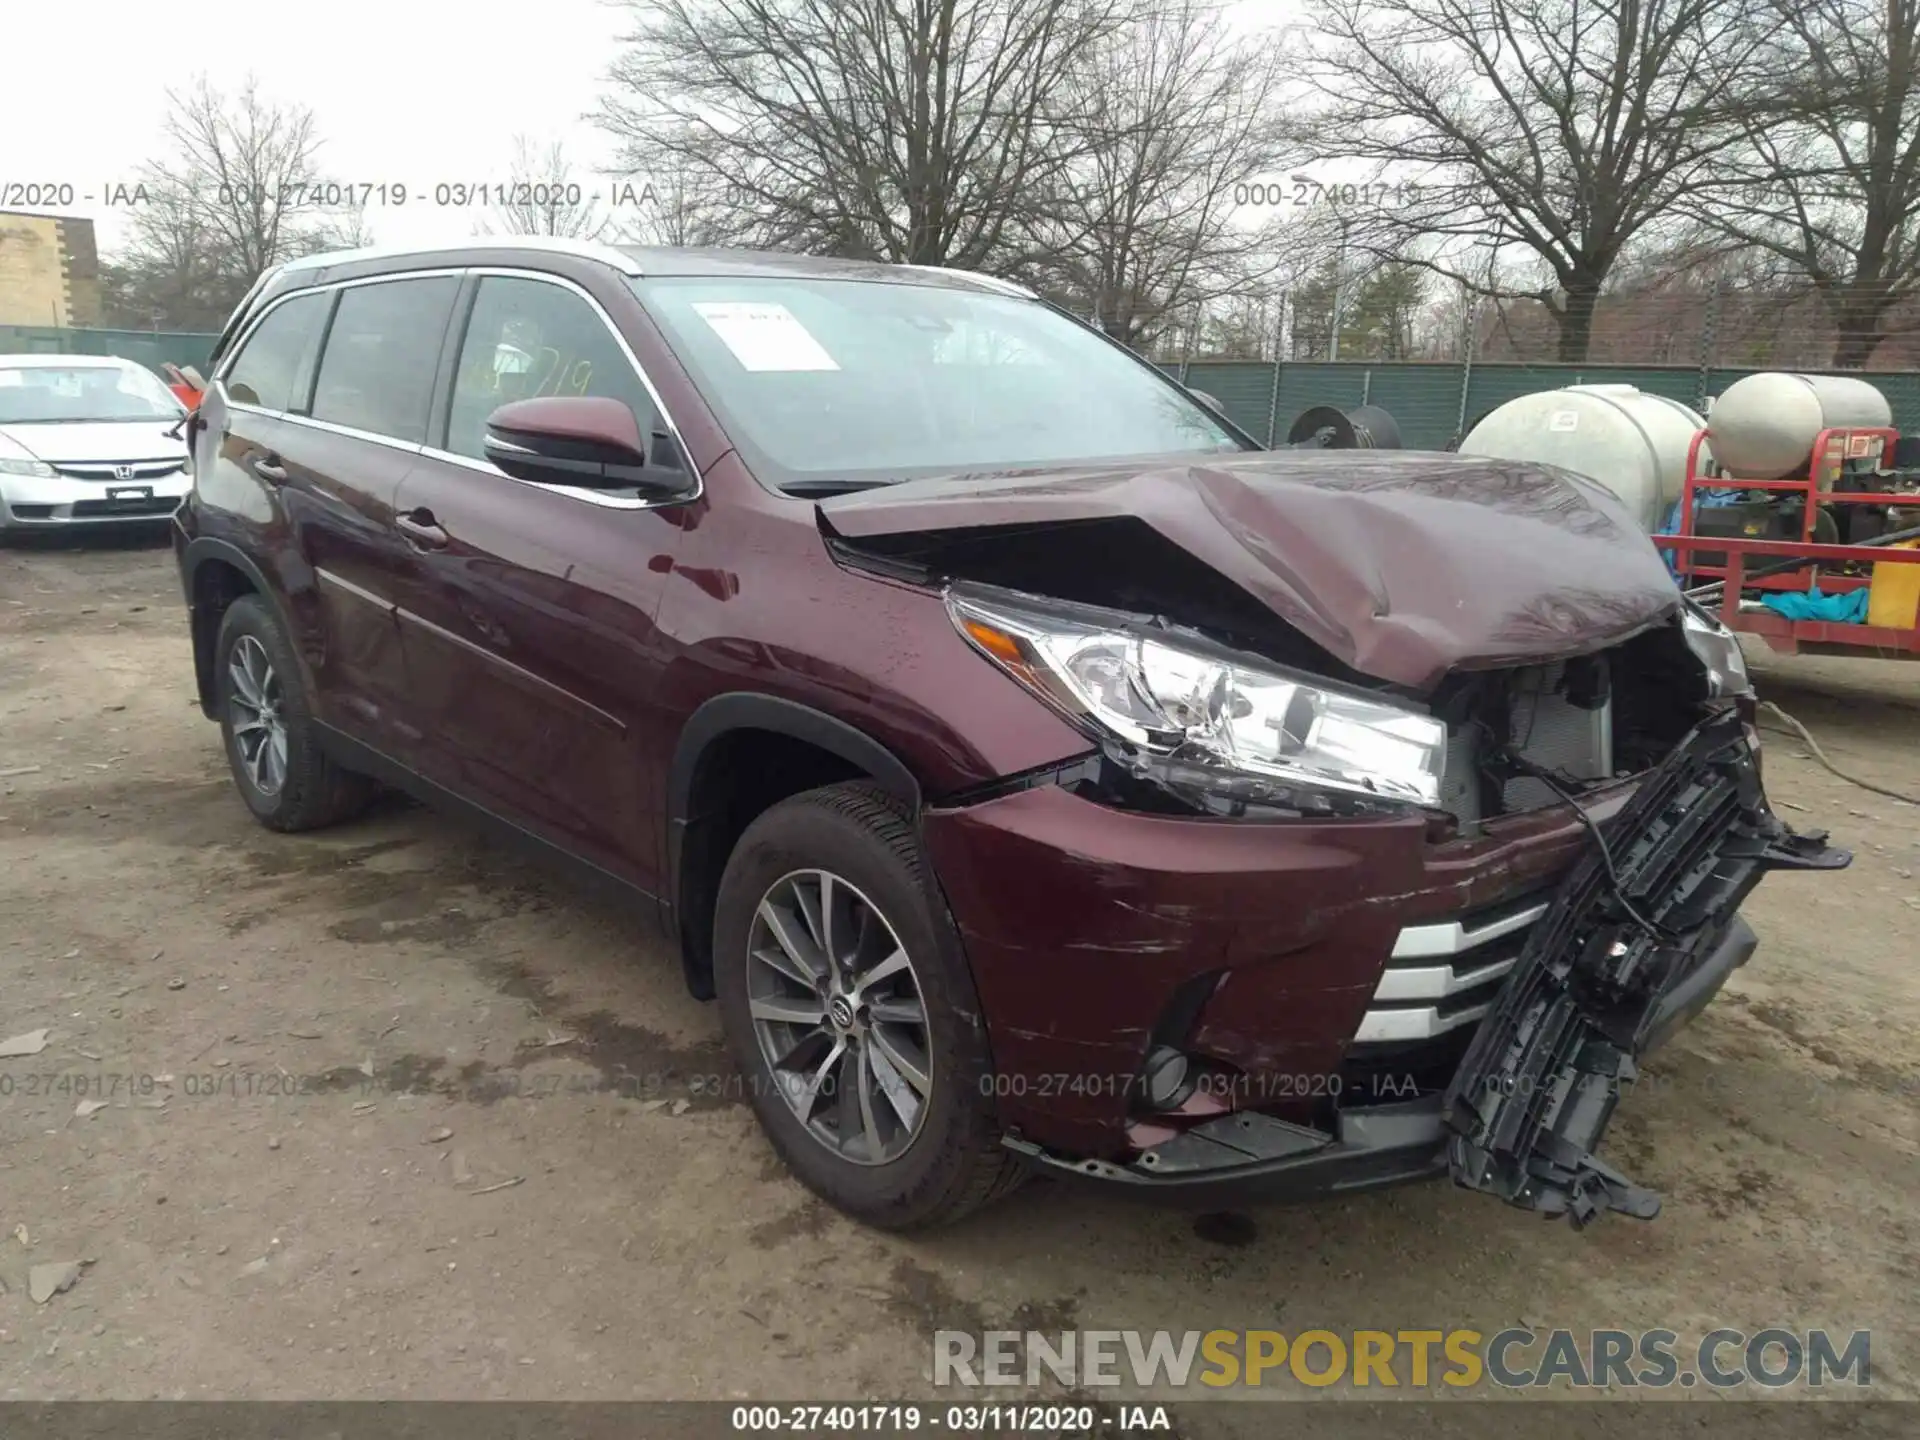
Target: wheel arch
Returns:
[215, 573]
[711, 797]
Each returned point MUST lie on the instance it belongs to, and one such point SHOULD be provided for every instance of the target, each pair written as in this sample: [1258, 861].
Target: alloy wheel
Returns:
[840, 1016]
[254, 714]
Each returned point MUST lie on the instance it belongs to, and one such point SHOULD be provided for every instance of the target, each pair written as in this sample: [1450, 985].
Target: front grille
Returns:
[1441, 979]
[105, 472]
[1444, 975]
[1631, 944]
[155, 505]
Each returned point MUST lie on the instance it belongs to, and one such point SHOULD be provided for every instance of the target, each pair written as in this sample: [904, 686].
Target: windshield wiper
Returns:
[823, 489]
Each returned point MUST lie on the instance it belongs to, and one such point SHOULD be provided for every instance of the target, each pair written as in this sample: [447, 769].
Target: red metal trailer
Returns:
[1833, 569]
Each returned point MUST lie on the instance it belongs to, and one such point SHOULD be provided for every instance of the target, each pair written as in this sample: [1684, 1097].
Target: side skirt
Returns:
[363, 759]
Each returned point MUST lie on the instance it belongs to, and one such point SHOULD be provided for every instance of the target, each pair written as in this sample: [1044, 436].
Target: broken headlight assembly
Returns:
[1204, 721]
[1718, 649]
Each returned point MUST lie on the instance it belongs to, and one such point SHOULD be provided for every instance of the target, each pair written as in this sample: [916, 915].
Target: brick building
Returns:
[49, 270]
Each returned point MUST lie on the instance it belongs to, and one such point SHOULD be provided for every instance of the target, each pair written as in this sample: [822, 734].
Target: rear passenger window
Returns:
[271, 368]
[527, 338]
[377, 371]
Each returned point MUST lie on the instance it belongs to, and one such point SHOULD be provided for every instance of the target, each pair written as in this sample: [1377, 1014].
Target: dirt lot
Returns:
[414, 982]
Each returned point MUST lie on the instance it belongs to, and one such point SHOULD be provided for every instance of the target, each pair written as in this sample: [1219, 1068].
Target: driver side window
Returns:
[529, 337]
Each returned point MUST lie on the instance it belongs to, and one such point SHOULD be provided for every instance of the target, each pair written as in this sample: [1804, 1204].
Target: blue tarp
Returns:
[1847, 609]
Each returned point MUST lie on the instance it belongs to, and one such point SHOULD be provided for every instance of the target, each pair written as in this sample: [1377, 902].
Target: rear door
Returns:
[304, 501]
[527, 615]
[357, 434]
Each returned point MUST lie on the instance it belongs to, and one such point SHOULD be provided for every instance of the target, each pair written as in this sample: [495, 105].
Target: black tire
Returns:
[955, 1162]
[315, 791]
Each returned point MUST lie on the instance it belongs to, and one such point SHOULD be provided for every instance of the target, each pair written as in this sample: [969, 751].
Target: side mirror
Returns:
[1212, 402]
[590, 442]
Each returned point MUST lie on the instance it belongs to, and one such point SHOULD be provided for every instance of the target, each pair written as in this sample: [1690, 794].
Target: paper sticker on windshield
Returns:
[764, 337]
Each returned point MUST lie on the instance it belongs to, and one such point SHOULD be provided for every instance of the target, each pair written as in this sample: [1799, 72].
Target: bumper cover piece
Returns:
[1639, 936]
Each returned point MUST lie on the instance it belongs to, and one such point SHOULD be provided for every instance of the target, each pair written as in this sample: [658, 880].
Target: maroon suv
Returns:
[1040, 774]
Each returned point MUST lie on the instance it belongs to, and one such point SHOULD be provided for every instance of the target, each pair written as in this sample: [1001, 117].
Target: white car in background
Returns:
[87, 439]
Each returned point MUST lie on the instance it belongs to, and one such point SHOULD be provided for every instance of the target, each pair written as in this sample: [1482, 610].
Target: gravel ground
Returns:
[436, 1123]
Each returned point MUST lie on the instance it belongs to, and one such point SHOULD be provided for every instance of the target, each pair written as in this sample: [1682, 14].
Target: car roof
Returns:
[67, 362]
[649, 260]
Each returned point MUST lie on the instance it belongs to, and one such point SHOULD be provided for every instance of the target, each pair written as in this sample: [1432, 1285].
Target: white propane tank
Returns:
[1764, 426]
[1622, 438]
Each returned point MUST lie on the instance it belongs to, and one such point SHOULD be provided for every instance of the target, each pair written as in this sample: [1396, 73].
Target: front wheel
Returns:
[851, 1014]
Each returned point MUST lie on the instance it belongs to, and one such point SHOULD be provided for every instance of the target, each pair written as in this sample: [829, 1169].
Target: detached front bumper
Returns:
[1250, 1158]
[1501, 986]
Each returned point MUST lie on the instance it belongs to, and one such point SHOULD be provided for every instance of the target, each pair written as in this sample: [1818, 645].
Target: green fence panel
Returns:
[151, 348]
[1424, 401]
[1243, 390]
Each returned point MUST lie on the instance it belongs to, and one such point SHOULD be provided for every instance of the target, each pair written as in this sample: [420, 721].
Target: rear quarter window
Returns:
[272, 365]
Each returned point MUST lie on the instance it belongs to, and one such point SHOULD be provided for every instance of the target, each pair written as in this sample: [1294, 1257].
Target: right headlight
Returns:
[26, 465]
[1203, 718]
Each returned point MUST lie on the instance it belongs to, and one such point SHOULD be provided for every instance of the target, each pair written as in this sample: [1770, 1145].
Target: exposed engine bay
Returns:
[1519, 738]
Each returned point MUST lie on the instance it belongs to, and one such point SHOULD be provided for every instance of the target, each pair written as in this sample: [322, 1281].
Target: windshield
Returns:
[70, 394]
[868, 380]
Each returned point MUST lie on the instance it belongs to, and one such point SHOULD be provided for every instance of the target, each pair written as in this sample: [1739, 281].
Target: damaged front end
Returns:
[1418, 805]
[1639, 936]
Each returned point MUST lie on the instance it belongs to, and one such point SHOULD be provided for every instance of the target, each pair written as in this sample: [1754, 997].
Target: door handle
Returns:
[268, 467]
[421, 530]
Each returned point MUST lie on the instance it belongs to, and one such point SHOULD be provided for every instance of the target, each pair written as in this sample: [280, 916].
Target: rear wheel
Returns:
[850, 1012]
[266, 722]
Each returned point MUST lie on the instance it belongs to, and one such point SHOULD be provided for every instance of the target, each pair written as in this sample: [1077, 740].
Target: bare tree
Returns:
[1173, 113]
[1831, 168]
[543, 196]
[907, 130]
[238, 190]
[680, 200]
[1558, 130]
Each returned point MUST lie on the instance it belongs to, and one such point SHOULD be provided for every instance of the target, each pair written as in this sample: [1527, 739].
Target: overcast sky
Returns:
[406, 92]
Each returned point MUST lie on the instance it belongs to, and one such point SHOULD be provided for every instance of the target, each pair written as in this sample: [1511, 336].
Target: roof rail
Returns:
[621, 260]
[991, 282]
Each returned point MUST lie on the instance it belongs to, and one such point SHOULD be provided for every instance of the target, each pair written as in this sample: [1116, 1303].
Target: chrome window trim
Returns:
[405, 447]
[985, 282]
[246, 335]
[606, 254]
[573, 492]
[592, 497]
[510, 272]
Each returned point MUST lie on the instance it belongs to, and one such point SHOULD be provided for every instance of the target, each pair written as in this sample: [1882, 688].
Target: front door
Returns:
[527, 617]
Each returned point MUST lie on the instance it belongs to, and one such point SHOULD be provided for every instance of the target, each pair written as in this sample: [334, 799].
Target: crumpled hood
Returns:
[1402, 564]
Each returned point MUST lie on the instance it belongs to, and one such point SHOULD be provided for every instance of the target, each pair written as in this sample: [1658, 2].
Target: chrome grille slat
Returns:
[1470, 958]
